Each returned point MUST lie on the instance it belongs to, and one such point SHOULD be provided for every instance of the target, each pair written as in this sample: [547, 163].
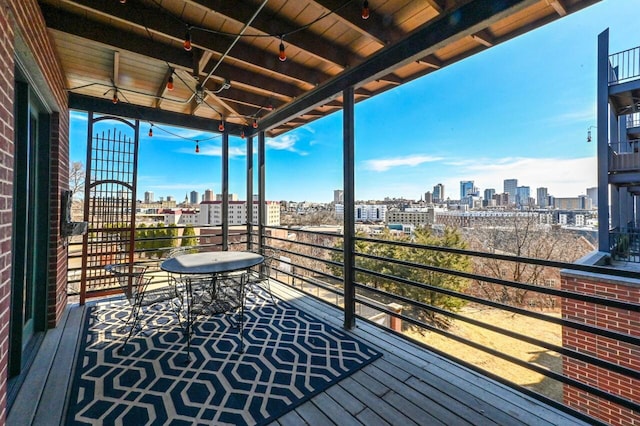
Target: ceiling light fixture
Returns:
[187, 40]
[282, 55]
[115, 96]
[199, 94]
[170, 83]
[365, 10]
[221, 125]
[255, 123]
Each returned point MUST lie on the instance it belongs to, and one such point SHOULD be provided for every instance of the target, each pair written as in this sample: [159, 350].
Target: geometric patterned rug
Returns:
[289, 356]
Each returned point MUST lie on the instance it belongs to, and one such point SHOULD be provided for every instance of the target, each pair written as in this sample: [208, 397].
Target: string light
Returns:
[197, 147]
[365, 10]
[170, 83]
[282, 56]
[151, 130]
[242, 134]
[221, 125]
[255, 123]
[115, 96]
[187, 40]
[123, 1]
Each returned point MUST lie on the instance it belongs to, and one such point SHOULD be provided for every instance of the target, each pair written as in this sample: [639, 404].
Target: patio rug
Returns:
[289, 357]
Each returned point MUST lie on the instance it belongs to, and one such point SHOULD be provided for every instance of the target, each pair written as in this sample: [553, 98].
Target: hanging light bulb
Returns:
[255, 123]
[221, 125]
[187, 40]
[282, 56]
[115, 97]
[241, 134]
[123, 1]
[151, 130]
[197, 147]
[365, 10]
[170, 83]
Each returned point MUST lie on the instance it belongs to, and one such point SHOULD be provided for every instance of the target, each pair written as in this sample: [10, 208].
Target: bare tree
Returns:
[525, 238]
[76, 178]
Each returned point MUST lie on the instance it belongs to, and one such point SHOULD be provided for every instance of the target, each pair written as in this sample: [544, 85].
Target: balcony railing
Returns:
[624, 66]
[509, 317]
[624, 156]
[625, 244]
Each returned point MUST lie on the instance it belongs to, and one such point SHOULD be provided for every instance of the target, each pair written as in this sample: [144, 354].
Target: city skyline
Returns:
[518, 110]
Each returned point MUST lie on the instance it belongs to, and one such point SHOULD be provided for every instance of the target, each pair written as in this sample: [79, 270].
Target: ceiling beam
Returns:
[484, 37]
[376, 27]
[269, 23]
[468, 19]
[558, 6]
[123, 109]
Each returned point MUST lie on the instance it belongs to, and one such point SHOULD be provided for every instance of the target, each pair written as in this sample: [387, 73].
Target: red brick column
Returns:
[6, 193]
[605, 348]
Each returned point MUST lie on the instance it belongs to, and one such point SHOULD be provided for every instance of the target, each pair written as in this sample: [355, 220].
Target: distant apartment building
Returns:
[510, 187]
[488, 197]
[415, 217]
[478, 219]
[208, 195]
[338, 196]
[573, 203]
[180, 217]
[194, 197]
[542, 197]
[364, 212]
[211, 213]
[502, 199]
[148, 197]
[438, 193]
[232, 197]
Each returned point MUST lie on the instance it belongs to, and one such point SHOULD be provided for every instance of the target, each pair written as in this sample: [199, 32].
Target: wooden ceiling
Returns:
[134, 47]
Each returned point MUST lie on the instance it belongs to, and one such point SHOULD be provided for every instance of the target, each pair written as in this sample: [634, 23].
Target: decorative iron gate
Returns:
[109, 201]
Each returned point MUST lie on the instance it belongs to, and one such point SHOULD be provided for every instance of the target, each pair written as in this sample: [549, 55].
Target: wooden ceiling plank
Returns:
[156, 22]
[179, 58]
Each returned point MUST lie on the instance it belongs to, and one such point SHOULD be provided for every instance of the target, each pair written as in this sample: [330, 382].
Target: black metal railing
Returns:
[625, 244]
[624, 156]
[526, 344]
[624, 66]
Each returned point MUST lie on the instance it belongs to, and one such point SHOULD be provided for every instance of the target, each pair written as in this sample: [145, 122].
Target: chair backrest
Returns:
[130, 278]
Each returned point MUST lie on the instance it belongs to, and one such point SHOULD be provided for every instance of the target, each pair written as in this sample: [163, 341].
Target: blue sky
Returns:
[518, 110]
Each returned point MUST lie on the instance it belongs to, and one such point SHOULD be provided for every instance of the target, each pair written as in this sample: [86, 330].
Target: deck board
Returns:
[408, 385]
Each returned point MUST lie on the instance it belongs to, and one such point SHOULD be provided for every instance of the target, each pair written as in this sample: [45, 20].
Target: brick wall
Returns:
[21, 19]
[6, 193]
[620, 353]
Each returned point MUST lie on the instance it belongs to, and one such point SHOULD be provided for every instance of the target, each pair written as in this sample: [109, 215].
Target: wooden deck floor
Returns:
[407, 386]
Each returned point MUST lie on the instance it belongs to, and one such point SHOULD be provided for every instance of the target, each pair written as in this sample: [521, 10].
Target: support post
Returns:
[261, 192]
[349, 206]
[602, 141]
[225, 191]
[249, 193]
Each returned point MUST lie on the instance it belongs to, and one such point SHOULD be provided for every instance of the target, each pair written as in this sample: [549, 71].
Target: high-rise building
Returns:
[466, 188]
[542, 197]
[194, 199]
[338, 196]
[593, 194]
[148, 197]
[438, 193]
[523, 193]
[209, 195]
[489, 193]
[510, 187]
[428, 197]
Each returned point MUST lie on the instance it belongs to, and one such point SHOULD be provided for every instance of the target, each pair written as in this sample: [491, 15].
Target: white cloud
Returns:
[384, 164]
[285, 143]
[563, 177]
